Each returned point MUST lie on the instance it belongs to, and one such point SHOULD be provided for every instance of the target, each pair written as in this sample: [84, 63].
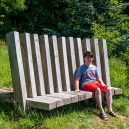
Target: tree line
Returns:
[108, 19]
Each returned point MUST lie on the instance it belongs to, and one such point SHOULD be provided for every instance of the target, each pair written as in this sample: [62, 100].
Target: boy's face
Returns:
[88, 60]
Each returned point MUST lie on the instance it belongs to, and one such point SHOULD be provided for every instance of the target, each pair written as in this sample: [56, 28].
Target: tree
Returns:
[110, 23]
[7, 7]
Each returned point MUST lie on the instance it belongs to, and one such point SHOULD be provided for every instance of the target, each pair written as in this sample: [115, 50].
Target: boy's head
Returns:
[88, 54]
[88, 58]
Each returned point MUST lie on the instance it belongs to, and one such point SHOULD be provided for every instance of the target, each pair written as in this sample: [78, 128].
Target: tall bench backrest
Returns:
[44, 65]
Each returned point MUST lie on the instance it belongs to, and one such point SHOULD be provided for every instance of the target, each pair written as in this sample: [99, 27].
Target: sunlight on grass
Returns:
[117, 73]
[5, 74]
[118, 79]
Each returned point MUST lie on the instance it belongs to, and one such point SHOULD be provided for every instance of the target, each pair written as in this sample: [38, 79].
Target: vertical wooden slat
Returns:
[56, 74]
[86, 45]
[104, 62]
[16, 64]
[46, 63]
[78, 52]
[71, 60]
[64, 63]
[37, 65]
[95, 50]
[29, 73]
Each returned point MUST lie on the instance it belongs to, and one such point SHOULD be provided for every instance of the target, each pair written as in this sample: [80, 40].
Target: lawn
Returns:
[74, 116]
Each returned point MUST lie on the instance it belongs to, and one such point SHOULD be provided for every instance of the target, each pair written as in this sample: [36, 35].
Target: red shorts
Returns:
[92, 86]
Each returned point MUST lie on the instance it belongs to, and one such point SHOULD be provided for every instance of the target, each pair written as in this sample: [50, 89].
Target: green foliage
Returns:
[9, 5]
[78, 18]
[67, 18]
[112, 24]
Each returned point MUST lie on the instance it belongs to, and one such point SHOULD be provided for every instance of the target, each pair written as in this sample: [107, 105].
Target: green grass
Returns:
[74, 116]
[119, 80]
[5, 74]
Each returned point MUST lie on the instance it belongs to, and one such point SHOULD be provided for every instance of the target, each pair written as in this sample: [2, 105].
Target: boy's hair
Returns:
[88, 54]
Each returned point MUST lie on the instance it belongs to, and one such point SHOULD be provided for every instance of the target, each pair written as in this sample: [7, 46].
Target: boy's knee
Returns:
[98, 90]
[109, 89]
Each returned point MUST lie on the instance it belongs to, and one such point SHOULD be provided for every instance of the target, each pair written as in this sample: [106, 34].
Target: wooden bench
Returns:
[43, 68]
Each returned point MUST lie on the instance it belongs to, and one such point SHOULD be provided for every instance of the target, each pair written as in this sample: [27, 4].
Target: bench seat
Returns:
[51, 101]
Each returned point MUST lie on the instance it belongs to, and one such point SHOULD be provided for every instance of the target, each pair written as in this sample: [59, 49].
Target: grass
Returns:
[5, 75]
[74, 116]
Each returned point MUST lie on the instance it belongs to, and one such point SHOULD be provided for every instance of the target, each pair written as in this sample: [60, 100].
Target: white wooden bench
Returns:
[43, 68]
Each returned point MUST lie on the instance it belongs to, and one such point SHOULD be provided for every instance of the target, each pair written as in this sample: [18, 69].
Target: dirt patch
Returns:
[6, 90]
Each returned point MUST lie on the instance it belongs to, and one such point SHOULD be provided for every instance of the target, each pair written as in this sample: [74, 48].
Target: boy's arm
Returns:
[76, 83]
[101, 81]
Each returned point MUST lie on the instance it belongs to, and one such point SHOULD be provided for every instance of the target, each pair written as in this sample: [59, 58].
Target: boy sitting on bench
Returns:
[88, 76]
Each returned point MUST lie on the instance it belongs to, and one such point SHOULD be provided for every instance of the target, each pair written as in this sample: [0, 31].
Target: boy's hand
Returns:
[102, 84]
[77, 90]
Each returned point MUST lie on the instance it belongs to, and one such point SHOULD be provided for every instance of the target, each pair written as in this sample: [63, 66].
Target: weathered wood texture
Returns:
[43, 68]
[7, 95]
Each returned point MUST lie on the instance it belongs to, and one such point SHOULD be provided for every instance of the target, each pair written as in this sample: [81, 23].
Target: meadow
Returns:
[73, 116]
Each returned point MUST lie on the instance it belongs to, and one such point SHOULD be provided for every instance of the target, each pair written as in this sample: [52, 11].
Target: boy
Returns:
[88, 76]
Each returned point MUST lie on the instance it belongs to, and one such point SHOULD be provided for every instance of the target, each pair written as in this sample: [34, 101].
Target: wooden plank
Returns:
[37, 65]
[7, 97]
[78, 52]
[56, 65]
[88, 94]
[71, 60]
[46, 63]
[104, 62]
[117, 91]
[66, 97]
[16, 64]
[64, 64]
[86, 45]
[28, 64]
[113, 93]
[43, 102]
[96, 54]
[82, 95]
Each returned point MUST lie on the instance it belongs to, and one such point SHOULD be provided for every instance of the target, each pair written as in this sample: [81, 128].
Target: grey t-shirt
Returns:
[87, 74]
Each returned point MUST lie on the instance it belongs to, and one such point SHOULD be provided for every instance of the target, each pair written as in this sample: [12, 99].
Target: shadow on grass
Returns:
[10, 110]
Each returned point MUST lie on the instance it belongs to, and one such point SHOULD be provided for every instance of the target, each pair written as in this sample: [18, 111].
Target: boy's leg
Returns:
[94, 87]
[98, 99]
[108, 95]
